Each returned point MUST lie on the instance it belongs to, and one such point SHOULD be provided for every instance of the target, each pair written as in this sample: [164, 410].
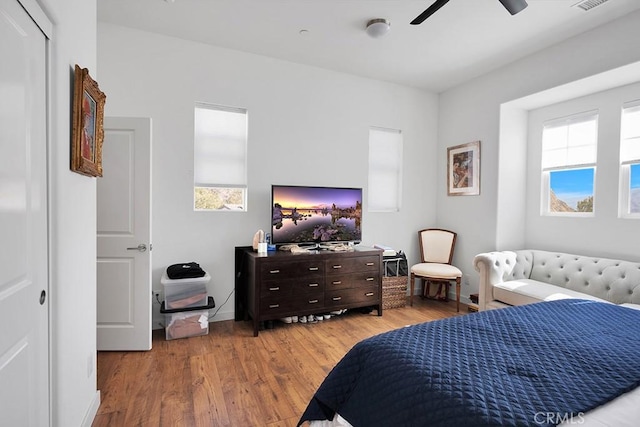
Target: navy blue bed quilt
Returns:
[506, 367]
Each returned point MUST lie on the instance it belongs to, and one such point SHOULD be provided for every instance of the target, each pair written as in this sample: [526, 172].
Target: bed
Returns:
[561, 362]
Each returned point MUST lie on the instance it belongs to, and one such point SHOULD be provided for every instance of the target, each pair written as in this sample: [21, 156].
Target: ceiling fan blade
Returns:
[514, 6]
[430, 11]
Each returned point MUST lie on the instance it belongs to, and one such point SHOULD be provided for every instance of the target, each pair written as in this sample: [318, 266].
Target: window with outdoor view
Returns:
[630, 160]
[220, 158]
[569, 149]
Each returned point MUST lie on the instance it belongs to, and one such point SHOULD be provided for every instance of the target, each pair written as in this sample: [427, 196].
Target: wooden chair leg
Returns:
[413, 285]
[458, 293]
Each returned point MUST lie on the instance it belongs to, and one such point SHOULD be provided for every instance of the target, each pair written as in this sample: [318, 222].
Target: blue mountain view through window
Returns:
[574, 190]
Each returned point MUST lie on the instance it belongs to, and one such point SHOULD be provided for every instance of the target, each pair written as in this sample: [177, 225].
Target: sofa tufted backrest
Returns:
[613, 280]
[518, 265]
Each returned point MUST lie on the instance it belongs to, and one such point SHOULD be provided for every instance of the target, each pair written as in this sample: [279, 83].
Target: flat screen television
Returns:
[315, 215]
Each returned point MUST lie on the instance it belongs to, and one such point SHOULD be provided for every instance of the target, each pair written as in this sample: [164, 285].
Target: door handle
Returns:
[140, 248]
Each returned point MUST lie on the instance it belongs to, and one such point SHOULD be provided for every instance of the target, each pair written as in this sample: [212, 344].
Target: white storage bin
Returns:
[185, 293]
[185, 324]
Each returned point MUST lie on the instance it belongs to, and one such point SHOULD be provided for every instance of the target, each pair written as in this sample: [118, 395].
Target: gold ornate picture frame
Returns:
[87, 132]
[463, 169]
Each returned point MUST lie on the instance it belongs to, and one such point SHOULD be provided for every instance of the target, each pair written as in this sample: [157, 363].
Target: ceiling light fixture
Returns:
[378, 27]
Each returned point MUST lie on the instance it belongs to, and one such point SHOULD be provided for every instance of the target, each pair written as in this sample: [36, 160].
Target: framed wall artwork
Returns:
[87, 132]
[463, 169]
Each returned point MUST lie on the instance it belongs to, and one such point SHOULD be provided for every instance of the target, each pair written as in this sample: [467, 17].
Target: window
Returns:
[220, 158]
[385, 170]
[569, 163]
[630, 160]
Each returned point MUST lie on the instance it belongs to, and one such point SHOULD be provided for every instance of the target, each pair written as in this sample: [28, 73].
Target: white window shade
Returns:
[220, 147]
[570, 141]
[630, 133]
[385, 169]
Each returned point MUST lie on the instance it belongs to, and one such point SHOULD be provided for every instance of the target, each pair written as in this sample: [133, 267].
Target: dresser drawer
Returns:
[313, 301]
[300, 286]
[291, 305]
[354, 280]
[292, 269]
[277, 288]
[308, 285]
[275, 306]
[346, 297]
[353, 264]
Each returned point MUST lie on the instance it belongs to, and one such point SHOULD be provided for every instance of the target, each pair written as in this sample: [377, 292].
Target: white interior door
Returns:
[24, 315]
[124, 236]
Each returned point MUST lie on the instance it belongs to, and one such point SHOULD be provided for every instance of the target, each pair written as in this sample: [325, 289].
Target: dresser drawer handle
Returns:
[368, 294]
[337, 266]
[336, 298]
[313, 301]
[313, 285]
[337, 282]
[313, 268]
[369, 264]
[370, 279]
[277, 288]
[274, 271]
[274, 305]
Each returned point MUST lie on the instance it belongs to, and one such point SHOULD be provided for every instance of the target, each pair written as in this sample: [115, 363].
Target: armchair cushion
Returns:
[436, 270]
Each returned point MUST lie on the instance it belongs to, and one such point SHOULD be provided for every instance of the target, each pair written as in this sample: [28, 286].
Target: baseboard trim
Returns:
[92, 411]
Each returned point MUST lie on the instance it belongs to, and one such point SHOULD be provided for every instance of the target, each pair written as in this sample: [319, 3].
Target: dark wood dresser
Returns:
[281, 284]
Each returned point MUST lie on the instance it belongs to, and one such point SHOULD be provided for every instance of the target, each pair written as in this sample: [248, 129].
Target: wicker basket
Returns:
[394, 292]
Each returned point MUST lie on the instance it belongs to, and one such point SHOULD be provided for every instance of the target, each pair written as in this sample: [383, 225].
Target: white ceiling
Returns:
[464, 39]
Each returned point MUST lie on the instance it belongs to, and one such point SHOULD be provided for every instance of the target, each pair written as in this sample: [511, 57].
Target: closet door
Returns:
[24, 313]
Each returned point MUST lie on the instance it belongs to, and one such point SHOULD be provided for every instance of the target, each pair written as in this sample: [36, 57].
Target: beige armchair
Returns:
[436, 252]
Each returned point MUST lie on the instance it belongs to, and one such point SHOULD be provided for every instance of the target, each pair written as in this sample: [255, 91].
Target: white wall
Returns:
[472, 111]
[307, 126]
[72, 207]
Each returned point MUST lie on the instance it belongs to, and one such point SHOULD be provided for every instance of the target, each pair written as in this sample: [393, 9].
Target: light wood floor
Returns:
[230, 378]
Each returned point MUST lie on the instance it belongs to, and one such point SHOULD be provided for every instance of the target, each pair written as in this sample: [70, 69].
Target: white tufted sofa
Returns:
[529, 276]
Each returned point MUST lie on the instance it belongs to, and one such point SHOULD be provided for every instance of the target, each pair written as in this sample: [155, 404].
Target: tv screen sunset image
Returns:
[316, 214]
